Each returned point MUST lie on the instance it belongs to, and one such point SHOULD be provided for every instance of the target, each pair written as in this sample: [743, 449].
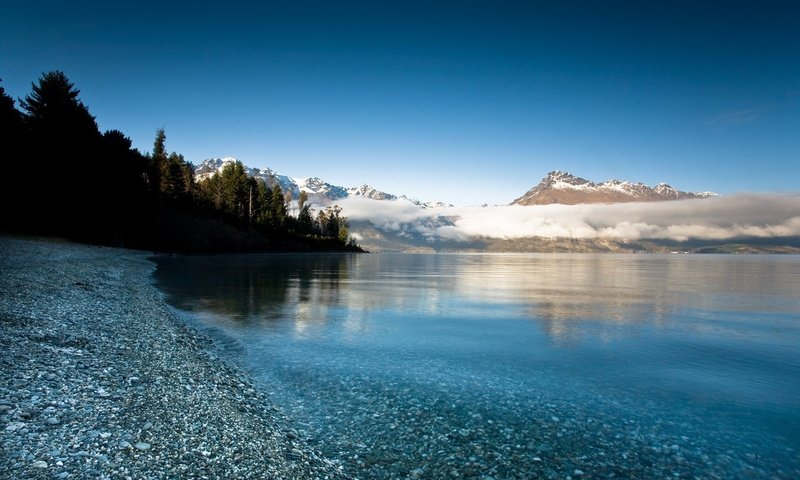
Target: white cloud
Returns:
[716, 218]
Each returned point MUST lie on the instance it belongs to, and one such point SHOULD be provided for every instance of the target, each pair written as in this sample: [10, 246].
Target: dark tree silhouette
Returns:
[11, 123]
[54, 109]
[126, 173]
[157, 160]
[64, 154]
[63, 177]
[13, 140]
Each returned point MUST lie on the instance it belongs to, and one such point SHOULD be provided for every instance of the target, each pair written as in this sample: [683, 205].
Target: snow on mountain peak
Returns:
[560, 177]
[318, 190]
[367, 191]
[565, 188]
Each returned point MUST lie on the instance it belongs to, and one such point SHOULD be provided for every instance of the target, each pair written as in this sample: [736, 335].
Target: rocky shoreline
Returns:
[100, 379]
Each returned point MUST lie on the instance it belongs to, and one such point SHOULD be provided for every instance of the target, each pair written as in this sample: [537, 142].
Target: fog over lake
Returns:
[717, 218]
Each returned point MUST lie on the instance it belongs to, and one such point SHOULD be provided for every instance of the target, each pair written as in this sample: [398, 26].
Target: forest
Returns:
[63, 177]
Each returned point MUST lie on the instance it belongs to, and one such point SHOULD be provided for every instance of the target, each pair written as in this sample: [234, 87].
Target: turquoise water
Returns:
[518, 366]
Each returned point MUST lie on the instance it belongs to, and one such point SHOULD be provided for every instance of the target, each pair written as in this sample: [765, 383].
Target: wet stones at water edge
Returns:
[98, 379]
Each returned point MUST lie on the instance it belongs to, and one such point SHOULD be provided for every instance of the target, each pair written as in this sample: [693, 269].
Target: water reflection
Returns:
[243, 289]
[487, 362]
[564, 294]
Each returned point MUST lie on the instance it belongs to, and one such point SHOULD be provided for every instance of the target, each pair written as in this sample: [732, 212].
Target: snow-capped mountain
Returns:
[318, 190]
[368, 192]
[208, 168]
[565, 188]
[426, 204]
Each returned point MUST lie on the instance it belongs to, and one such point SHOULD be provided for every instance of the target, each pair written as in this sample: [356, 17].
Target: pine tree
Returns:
[170, 176]
[12, 129]
[62, 130]
[279, 214]
[11, 123]
[173, 184]
[305, 220]
[263, 198]
[97, 187]
[160, 144]
[332, 225]
[234, 185]
[124, 164]
[214, 191]
[157, 160]
[54, 109]
[187, 177]
[13, 144]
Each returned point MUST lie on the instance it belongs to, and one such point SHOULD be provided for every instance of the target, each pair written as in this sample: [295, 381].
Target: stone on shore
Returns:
[94, 370]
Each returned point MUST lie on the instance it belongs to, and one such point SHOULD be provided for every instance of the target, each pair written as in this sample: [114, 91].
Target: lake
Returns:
[517, 366]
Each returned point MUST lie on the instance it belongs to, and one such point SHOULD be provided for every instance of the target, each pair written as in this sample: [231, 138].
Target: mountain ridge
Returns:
[318, 190]
[559, 187]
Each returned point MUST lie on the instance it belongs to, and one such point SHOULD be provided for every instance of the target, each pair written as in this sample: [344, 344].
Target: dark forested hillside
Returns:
[62, 176]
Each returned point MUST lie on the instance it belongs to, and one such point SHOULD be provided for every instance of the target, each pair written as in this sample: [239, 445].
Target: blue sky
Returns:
[464, 102]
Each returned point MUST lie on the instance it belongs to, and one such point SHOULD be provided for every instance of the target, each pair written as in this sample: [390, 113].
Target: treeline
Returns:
[62, 176]
[264, 205]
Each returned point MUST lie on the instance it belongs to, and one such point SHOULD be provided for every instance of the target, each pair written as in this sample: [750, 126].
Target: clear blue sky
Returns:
[465, 102]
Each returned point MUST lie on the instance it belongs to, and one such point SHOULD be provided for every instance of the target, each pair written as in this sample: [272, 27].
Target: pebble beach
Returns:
[100, 379]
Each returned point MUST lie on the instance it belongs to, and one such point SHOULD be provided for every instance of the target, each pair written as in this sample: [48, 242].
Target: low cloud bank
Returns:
[719, 218]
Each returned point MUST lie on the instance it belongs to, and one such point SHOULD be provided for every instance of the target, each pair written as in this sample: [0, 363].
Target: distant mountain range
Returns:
[602, 218]
[319, 191]
[557, 187]
[567, 189]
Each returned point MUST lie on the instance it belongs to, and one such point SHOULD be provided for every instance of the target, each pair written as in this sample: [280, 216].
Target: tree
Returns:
[234, 185]
[173, 184]
[305, 220]
[263, 198]
[302, 199]
[66, 178]
[344, 230]
[187, 176]
[170, 176]
[11, 123]
[13, 143]
[124, 163]
[278, 214]
[12, 129]
[62, 131]
[214, 192]
[157, 160]
[160, 144]
[53, 110]
[333, 225]
[322, 222]
[287, 199]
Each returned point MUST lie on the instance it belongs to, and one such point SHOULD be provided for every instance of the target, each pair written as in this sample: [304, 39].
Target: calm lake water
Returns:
[517, 366]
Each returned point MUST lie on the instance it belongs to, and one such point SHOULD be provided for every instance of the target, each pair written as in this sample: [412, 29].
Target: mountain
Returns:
[318, 190]
[565, 188]
[368, 192]
[208, 168]
[736, 224]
